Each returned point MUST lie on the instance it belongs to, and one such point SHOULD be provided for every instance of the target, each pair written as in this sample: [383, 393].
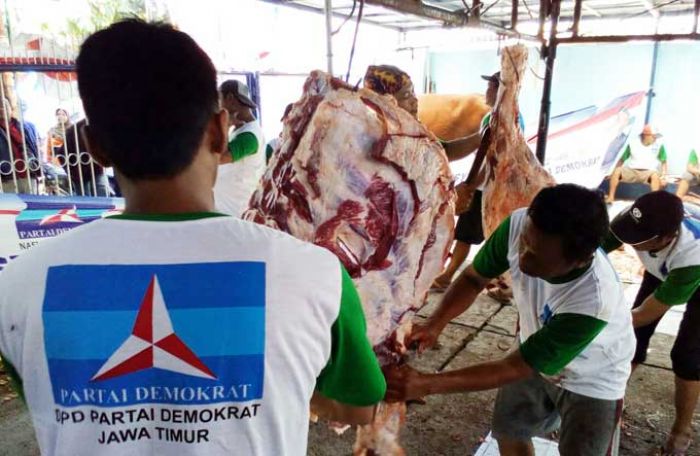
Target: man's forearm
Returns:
[651, 310]
[458, 298]
[331, 410]
[484, 376]
[462, 147]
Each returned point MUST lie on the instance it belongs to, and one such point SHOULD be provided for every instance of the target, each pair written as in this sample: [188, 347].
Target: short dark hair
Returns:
[229, 86]
[149, 92]
[574, 213]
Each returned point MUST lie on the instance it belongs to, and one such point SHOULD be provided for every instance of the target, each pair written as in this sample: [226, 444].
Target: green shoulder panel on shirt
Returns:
[626, 154]
[243, 145]
[15, 379]
[610, 243]
[485, 121]
[352, 375]
[268, 152]
[662, 154]
[561, 340]
[492, 259]
[693, 158]
[679, 286]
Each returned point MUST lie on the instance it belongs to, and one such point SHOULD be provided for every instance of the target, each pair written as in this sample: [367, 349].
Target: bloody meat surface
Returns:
[361, 177]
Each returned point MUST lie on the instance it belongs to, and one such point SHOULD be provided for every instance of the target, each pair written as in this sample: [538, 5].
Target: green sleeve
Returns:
[693, 158]
[610, 243]
[561, 340]
[662, 154]
[243, 145]
[679, 286]
[268, 153]
[15, 379]
[626, 154]
[492, 259]
[352, 375]
[485, 121]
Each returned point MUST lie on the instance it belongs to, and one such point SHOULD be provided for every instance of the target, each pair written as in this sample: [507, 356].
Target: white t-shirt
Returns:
[236, 181]
[200, 337]
[601, 370]
[643, 157]
[683, 252]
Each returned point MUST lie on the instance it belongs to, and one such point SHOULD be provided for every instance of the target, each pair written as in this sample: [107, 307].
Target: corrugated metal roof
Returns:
[427, 13]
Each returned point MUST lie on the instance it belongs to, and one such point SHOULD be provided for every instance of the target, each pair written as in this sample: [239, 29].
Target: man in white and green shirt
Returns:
[668, 245]
[241, 169]
[691, 176]
[576, 338]
[172, 329]
[640, 163]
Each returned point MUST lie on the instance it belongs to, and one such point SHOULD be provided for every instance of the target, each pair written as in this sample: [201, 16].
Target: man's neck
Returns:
[166, 196]
[247, 116]
[571, 275]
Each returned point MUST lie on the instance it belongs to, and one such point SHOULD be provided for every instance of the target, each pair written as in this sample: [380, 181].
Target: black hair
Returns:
[229, 87]
[149, 92]
[287, 110]
[575, 214]
[61, 110]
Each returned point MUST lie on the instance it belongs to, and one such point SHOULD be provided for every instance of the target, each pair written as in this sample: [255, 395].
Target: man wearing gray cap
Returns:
[668, 245]
[241, 169]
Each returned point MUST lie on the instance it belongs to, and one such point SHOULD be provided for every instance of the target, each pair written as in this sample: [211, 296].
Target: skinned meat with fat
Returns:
[361, 177]
[513, 174]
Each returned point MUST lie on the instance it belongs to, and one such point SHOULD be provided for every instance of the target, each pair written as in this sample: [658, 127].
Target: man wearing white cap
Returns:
[640, 162]
[241, 169]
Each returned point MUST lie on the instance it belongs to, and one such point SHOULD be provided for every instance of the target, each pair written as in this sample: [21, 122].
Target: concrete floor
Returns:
[452, 424]
[458, 424]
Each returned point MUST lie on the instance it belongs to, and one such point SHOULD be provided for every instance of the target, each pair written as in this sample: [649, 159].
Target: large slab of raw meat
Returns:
[361, 177]
[513, 174]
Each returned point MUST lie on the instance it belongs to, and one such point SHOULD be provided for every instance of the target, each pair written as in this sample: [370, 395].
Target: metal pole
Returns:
[551, 53]
[253, 82]
[514, 15]
[627, 38]
[577, 17]
[66, 153]
[82, 153]
[695, 17]
[8, 116]
[652, 82]
[28, 164]
[328, 10]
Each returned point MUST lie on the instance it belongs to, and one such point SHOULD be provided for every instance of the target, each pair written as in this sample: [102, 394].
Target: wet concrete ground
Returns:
[452, 424]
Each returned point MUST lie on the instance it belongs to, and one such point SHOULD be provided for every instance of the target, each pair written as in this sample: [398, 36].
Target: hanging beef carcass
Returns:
[360, 176]
[513, 174]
